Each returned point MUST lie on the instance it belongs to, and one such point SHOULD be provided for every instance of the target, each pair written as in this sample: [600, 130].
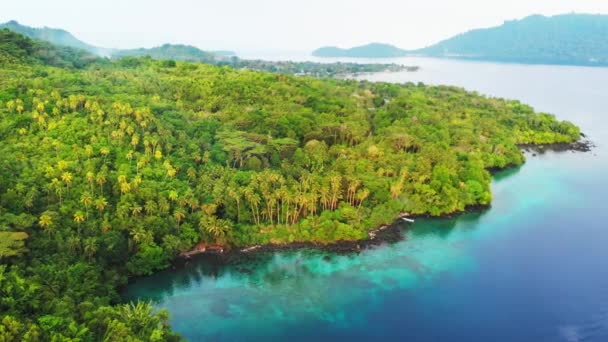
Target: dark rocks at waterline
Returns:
[584, 145]
[385, 234]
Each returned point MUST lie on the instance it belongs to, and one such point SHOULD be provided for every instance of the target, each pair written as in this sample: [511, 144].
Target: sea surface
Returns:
[534, 267]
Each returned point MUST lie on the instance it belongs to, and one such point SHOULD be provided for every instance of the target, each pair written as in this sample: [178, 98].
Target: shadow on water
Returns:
[269, 268]
[443, 227]
[506, 173]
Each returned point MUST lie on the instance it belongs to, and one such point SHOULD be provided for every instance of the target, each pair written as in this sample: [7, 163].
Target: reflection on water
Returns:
[530, 268]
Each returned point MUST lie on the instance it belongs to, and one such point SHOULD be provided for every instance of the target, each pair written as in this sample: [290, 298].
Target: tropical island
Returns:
[573, 39]
[110, 169]
[373, 50]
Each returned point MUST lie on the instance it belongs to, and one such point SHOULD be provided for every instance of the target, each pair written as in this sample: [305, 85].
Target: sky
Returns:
[277, 25]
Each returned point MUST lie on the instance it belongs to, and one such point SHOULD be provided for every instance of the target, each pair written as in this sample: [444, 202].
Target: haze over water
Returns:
[531, 268]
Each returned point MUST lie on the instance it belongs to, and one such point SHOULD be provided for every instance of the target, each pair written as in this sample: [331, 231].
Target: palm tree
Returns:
[86, 199]
[353, 184]
[100, 180]
[90, 247]
[73, 243]
[141, 236]
[140, 319]
[46, 221]
[150, 207]
[135, 211]
[163, 205]
[396, 189]
[361, 196]
[254, 201]
[236, 196]
[191, 173]
[104, 152]
[79, 217]
[179, 214]
[335, 183]
[101, 204]
[125, 188]
[56, 185]
[215, 227]
[173, 195]
[67, 178]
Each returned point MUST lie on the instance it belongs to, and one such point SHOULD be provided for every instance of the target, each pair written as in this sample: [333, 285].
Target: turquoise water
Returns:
[531, 268]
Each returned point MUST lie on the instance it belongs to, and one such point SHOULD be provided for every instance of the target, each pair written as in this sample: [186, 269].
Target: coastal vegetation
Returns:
[109, 169]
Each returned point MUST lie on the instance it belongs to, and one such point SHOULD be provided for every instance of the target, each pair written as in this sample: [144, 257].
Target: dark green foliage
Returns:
[15, 47]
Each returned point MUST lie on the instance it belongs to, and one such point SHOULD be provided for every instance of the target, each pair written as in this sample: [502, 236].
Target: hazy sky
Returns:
[297, 25]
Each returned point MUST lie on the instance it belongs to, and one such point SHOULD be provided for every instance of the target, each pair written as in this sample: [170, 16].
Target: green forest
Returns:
[111, 169]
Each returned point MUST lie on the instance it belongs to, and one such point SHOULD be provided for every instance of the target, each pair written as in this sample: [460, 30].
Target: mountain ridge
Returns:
[61, 37]
[569, 39]
[578, 39]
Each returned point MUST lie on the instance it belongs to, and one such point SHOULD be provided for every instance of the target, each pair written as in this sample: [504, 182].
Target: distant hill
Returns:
[580, 39]
[171, 51]
[64, 38]
[15, 47]
[373, 50]
[55, 36]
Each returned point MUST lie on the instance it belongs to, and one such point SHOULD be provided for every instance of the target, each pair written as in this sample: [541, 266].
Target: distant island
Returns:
[180, 52]
[373, 50]
[580, 39]
[572, 39]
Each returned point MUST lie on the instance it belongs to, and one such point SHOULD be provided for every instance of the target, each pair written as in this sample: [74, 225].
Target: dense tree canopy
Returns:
[112, 170]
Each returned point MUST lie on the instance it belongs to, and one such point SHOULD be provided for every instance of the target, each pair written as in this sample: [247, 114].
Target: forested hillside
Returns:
[54, 36]
[579, 39]
[16, 48]
[111, 169]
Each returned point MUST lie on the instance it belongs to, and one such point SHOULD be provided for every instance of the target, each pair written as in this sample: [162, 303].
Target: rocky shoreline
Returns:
[385, 234]
[582, 145]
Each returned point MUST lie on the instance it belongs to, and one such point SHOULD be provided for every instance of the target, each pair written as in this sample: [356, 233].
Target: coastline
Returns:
[582, 145]
[382, 235]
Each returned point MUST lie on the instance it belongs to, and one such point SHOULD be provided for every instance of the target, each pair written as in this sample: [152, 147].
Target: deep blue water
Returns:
[531, 268]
